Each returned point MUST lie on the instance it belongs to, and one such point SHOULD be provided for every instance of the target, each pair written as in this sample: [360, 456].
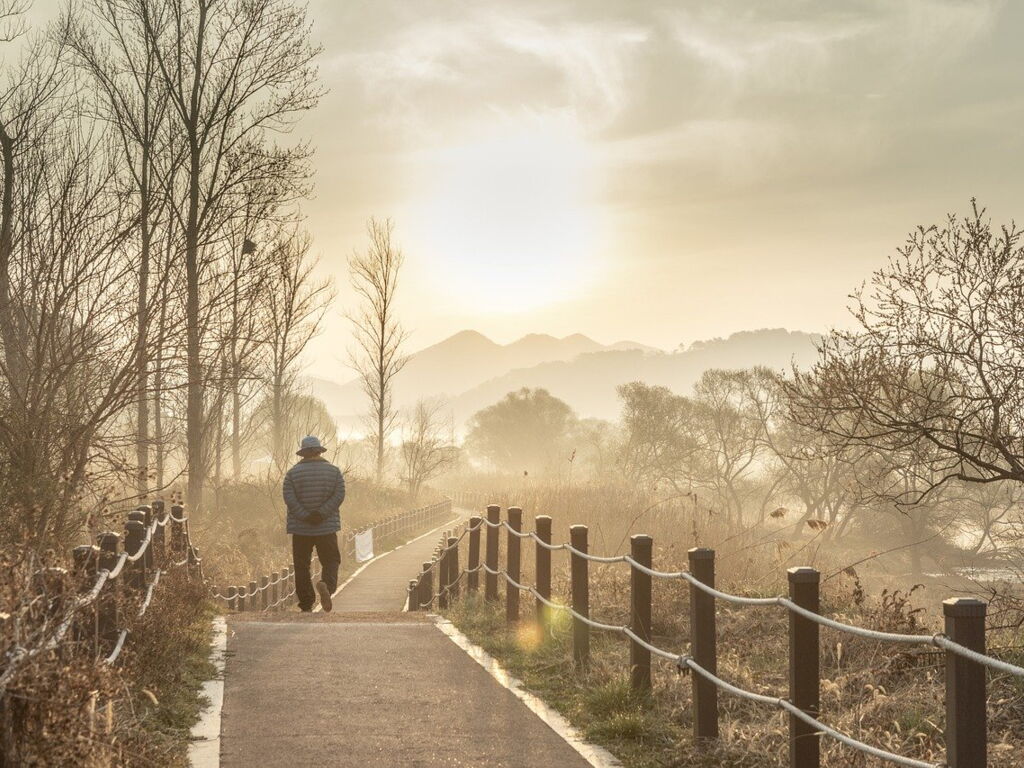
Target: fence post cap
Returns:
[803, 574]
[577, 528]
[137, 515]
[427, 566]
[109, 540]
[964, 607]
[158, 504]
[701, 553]
[494, 508]
[145, 507]
[538, 518]
[641, 538]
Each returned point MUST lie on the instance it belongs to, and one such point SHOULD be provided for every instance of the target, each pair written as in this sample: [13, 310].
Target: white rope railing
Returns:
[684, 661]
[17, 656]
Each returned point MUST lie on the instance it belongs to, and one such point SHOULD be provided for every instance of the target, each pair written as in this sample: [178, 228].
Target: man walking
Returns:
[313, 492]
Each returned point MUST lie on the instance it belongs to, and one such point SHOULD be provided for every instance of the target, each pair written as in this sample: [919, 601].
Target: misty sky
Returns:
[658, 171]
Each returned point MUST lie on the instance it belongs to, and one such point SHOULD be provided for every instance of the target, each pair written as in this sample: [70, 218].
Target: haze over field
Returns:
[469, 371]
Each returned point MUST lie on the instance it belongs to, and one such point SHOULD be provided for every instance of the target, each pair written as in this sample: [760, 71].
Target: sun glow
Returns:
[508, 221]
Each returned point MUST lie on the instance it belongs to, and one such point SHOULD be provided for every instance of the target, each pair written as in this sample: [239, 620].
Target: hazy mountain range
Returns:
[470, 371]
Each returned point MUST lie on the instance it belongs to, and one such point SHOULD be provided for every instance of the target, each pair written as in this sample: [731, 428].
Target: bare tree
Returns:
[379, 336]
[292, 314]
[234, 72]
[116, 55]
[938, 358]
[428, 445]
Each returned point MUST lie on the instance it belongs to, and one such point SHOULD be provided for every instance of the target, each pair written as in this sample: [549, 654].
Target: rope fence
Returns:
[155, 540]
[962, 643]
[275, 591]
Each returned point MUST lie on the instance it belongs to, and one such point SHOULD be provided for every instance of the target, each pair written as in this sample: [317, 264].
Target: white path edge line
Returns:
[204, 749]
[382, 555]
[598, 757]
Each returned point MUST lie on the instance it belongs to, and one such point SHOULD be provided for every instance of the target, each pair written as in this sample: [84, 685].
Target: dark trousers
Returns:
[328, 555]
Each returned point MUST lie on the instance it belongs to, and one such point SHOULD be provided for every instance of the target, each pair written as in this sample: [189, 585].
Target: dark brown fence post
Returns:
[579, 572]
[86, 561]
[241, 599]
[703, 646]
[275, 590]
[473, 561]
[641, 549]
[177, 532]
[966, 720]
[491, 557]
[232, 598]
[147, 520]
[512, 564]
[453, 569]
[542, 560]
[108, 600]
[426, 586]
[253, 597]
[159, 544]
[443, 576]
[264, 593]
[804, 668]
[134, 532]
[412, 596]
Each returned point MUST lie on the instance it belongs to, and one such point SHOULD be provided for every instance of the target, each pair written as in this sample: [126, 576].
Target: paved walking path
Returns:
[368, 685]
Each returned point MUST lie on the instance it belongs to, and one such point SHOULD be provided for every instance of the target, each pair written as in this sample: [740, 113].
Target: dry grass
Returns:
[65, 708]
[878, 693]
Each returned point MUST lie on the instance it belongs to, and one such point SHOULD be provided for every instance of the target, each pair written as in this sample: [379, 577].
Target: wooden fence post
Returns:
[641, 549]
[108, 600]
[426, 586]
[253, 596]
[512, 564]
[703, 637]
[159, 543]
[264, 593]
[134, 533]
[491, 579]
[86, 561]
[579, 573]
[966, 719]
[444, 575]
[412, 596]
[542, 559]
[275, 590]
[177, 532]
[453, 569]
[473, 561]
[147, 520]
[232, 598]
[804, 668]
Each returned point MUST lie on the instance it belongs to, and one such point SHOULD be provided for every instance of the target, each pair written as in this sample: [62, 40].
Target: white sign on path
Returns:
[364, 546]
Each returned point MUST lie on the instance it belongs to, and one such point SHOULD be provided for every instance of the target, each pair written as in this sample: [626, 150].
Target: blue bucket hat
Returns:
[309, 445]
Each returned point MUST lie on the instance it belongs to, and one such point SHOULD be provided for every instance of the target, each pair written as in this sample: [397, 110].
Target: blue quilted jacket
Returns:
[314, 485]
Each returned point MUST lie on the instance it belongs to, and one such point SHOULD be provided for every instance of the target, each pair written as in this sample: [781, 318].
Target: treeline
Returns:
[907, 432]
[156, 285]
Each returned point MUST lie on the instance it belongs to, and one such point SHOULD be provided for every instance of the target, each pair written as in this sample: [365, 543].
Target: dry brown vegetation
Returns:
[884, 695]
[67, 708]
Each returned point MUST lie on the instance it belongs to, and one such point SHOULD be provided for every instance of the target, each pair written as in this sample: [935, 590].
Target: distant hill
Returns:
[458, 364]
[588, 382]
[471, 371]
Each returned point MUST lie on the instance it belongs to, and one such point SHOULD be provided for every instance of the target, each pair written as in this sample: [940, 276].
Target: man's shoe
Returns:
[325, 596]
[305, 610]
